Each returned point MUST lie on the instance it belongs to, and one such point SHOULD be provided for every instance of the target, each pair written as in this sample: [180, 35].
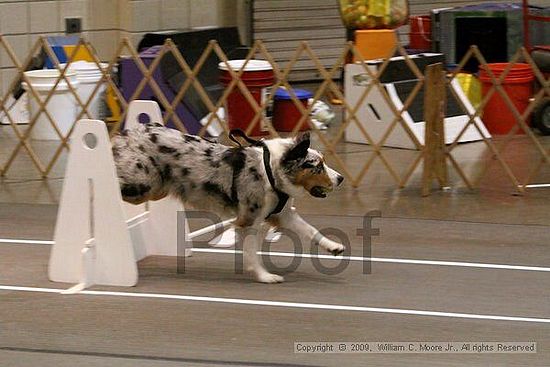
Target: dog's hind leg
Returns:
[159, 195]
[290, 220]
[252, 237]
[135, 193]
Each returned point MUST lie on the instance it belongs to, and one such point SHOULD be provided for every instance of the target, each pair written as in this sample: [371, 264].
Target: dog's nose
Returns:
[340, 179]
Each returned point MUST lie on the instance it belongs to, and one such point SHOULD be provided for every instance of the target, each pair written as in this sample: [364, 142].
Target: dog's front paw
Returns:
[269, 278]
[338, 250]
[334, 248]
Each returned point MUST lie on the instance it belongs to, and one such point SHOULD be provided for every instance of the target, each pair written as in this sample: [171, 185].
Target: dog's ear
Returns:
[299, 150]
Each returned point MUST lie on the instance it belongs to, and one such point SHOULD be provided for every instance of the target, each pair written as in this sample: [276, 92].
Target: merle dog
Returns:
[256, 183]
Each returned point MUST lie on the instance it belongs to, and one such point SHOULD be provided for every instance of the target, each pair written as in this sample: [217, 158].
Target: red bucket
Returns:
[518, 85]
[258, 77]
[420, 37]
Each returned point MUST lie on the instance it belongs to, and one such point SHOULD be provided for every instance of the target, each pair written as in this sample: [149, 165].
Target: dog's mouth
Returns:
[319, 191]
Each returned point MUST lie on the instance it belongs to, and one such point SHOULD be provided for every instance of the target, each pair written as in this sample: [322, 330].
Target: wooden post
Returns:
[435, 100]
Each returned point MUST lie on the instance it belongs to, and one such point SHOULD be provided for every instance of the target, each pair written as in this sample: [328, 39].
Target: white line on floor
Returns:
[29, 242]
[388, 260]
[350, 258]
[532, 186]
[254, 302]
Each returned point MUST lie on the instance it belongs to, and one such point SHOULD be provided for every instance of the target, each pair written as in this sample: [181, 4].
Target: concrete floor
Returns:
[151, 328]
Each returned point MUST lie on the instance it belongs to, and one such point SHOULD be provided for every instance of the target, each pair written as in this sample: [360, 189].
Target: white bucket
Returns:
[88, 75]
[61, 106]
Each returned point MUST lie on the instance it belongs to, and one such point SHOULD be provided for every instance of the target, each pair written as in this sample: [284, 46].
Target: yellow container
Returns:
[471, 86]
[374, 14]
[375, 43]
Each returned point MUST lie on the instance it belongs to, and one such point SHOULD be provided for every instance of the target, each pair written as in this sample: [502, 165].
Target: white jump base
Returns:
[98, 237]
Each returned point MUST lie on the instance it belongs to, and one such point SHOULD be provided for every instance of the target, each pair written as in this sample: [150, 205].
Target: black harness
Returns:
[281, 196]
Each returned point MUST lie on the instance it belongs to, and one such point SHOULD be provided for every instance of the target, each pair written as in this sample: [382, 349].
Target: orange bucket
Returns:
[375, 43]
[518, 85]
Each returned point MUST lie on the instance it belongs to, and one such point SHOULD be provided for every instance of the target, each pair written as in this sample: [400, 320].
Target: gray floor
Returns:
[487, 226]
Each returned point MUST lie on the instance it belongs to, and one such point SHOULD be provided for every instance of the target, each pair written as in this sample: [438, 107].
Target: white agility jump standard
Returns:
[98, 237]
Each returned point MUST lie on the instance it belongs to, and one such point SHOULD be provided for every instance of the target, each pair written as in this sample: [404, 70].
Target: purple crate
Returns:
[131, 76]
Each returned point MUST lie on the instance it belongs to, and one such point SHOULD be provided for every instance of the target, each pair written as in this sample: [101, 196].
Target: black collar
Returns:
[281, 196]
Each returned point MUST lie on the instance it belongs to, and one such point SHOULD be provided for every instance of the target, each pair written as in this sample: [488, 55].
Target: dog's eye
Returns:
[308, 165]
